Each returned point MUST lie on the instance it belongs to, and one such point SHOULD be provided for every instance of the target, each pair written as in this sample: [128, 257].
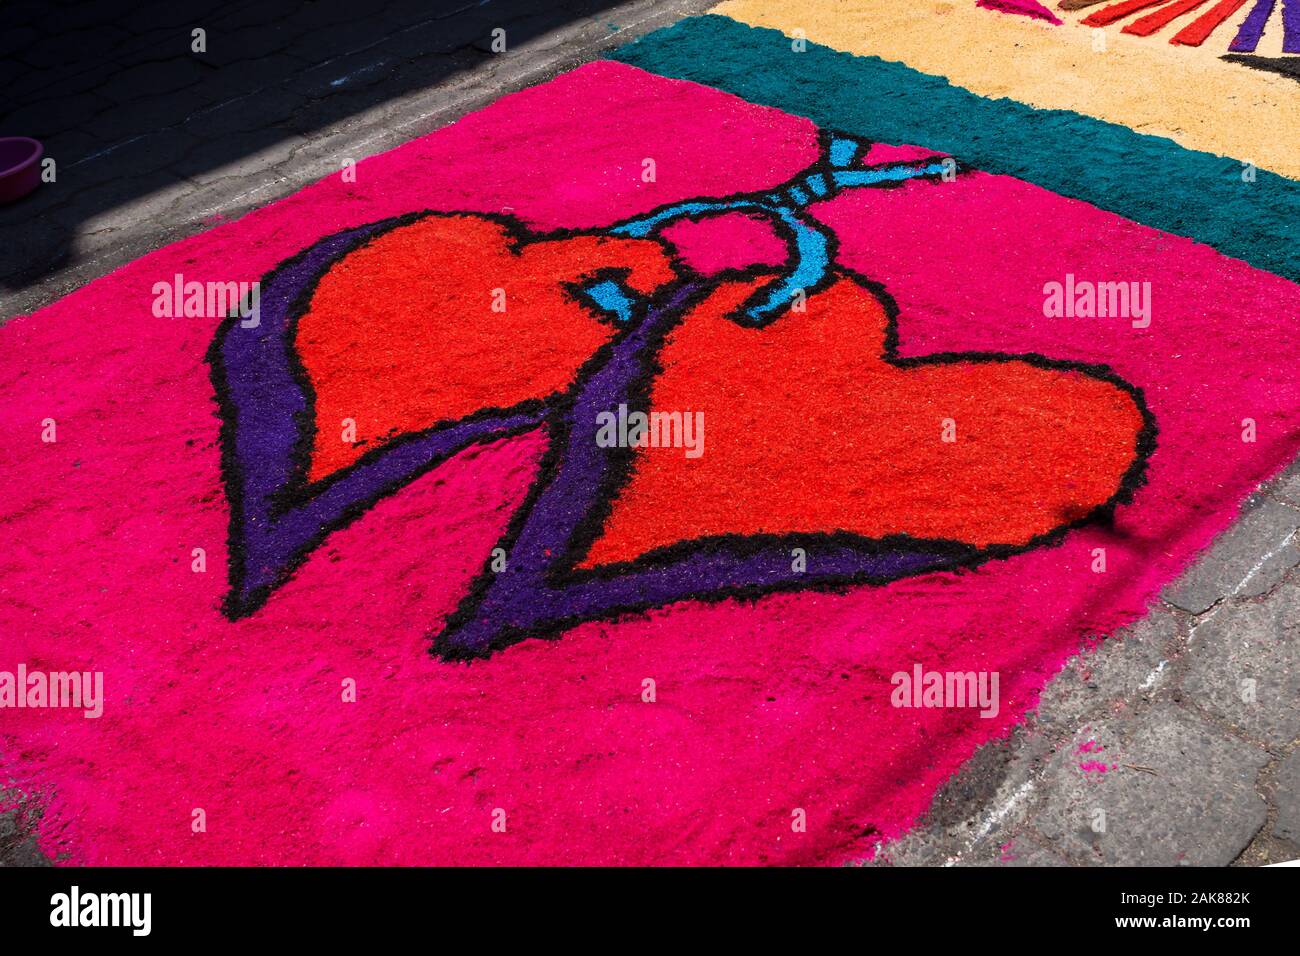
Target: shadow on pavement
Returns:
[127, 108]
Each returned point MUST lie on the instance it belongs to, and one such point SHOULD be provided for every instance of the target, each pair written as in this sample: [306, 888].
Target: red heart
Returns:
[811, 427]
[400, 334]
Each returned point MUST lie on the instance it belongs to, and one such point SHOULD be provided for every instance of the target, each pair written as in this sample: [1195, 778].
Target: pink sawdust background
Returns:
[761, 709]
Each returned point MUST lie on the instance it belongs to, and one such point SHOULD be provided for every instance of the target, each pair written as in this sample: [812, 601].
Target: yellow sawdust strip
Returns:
[1185, 93]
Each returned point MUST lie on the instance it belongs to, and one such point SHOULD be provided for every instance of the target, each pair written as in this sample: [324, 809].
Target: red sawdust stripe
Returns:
[1196, 32]
[1117, 12]
[1154, 21]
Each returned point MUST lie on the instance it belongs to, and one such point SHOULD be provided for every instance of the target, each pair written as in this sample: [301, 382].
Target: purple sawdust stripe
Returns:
[259, 375]
[521, 600]
[1252, 28]
[1291, 23]
[268, 402]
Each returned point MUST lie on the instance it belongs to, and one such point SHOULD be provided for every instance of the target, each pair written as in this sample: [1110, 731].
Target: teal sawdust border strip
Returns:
[1148, 179]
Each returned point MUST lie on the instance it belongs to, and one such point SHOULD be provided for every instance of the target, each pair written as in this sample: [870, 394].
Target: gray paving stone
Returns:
[439, 36]
[129, 159]
[248, 112]
[320, 44]
[221, 200]
[42, 119]
[319, 115]
[156, 115]
[24, 852]
[159, 41]
[1287, 799]
[30, 211]
[1118, 673]
[255, 151]
[161, 13]
[23, 12]
[323, 155]
[166, 192]
[228, 46]
[69, 146]
[1246, 560]
[11, 71]
[980, 810]
[45, 238]
[1176, 791]
[149, 79]
[251, 76]
[16, 41]
[17, 844]
[1285, 486]
[1021, 852]
[37, 87]
[319, 14]
[77, 15]
[1244, 666]
[345, 73]
[68, 48]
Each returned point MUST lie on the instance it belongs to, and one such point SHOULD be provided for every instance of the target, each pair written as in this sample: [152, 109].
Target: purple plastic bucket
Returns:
[20, 169]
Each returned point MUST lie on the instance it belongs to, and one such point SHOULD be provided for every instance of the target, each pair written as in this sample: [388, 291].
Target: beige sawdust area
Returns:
[1185, 93]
